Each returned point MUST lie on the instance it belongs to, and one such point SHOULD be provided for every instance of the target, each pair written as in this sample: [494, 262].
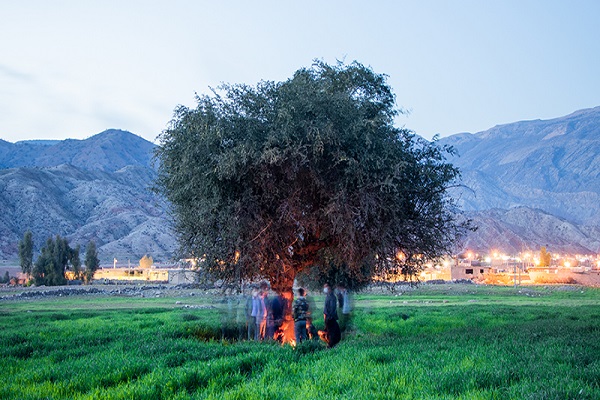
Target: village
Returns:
[490, 268]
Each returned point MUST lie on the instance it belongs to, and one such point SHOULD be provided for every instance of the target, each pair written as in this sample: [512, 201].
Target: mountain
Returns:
[550, 167]
[527, 184]
[110, 150]
[94, 189]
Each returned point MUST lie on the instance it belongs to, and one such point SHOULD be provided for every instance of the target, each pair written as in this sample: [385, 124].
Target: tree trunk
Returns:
[283, 284]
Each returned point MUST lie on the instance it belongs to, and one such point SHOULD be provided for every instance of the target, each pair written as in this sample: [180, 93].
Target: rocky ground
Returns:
[8, 292]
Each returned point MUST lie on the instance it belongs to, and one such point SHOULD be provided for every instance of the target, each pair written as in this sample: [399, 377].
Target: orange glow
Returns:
[286, 334]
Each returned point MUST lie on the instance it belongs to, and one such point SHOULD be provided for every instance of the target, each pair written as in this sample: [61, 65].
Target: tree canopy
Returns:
[92, 263]
[282, 177]
[52, 263]
[26, 253]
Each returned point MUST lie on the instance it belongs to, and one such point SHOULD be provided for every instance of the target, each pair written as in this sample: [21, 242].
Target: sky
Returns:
[73, 68]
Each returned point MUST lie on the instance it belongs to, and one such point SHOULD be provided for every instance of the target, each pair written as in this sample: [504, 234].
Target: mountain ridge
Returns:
[109, 150]
[550, 166]
[530, 183]
[93, 189]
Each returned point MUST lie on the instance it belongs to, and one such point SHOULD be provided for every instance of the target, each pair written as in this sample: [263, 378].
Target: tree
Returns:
[91, 262]
[292, 176]
[50, 266]
[26, 253]
[75, 262]
[545, 257]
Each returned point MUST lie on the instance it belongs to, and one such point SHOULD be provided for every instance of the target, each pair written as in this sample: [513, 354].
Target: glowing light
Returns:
[286, 334]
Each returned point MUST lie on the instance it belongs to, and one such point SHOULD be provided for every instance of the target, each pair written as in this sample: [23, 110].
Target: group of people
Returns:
[332, 334]
[265, 315]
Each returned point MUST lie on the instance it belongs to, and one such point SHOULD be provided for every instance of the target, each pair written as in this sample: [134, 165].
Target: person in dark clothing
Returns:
[300, 312]
[277, 309]
[332, 335]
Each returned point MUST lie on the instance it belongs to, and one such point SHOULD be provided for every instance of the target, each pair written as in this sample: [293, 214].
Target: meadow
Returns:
[434, 342]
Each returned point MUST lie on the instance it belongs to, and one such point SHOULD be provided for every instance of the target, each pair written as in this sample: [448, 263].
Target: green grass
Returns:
[435, 342]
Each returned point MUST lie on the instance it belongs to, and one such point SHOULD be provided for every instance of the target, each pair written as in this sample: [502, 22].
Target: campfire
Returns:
[285, 333]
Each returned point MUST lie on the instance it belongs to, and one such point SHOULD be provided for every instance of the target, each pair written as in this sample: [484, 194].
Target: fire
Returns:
[286, 334]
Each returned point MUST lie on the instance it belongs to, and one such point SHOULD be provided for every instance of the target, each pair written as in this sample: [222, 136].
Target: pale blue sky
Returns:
[70, 69]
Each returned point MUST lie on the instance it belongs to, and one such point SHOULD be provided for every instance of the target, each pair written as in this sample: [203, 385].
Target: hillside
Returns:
[528, 184]
[94, 189]
[110, 150]
[551, 167]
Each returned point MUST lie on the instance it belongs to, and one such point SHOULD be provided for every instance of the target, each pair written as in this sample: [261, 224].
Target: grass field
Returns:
[435, 342]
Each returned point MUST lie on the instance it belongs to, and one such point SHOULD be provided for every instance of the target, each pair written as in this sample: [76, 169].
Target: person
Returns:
[332, 334]
[345, 307]
[312, 331]
[276, 314]
[259, 311]
[250, 318]
[300, 312]
[228, 318]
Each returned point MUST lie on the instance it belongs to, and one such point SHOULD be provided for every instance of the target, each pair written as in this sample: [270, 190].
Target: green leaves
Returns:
[284, 171]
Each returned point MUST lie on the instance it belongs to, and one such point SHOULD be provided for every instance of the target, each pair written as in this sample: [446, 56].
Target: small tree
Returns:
[91, 262]
[52, 263]
[26, 253]
[75, 262]
[6, 277]
[545, 257]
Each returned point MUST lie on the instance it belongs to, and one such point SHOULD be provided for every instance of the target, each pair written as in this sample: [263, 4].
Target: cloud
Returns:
[13, 74]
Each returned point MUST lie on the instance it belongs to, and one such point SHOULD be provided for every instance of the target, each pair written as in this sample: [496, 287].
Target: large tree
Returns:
[271, 180]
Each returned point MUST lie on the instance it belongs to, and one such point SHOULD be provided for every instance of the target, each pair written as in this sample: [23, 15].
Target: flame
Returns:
[286, 334]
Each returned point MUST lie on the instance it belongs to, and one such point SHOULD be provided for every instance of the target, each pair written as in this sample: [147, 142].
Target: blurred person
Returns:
[251, 315]
[259, 311]
[345, 305]
[277, 308]
[228, 316]
[312, 331]
[300, 312]
[332, 334]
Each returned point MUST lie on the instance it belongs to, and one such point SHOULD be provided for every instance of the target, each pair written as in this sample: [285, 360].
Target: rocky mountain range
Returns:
[94, 189]
[533, 183]
[526, 184]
